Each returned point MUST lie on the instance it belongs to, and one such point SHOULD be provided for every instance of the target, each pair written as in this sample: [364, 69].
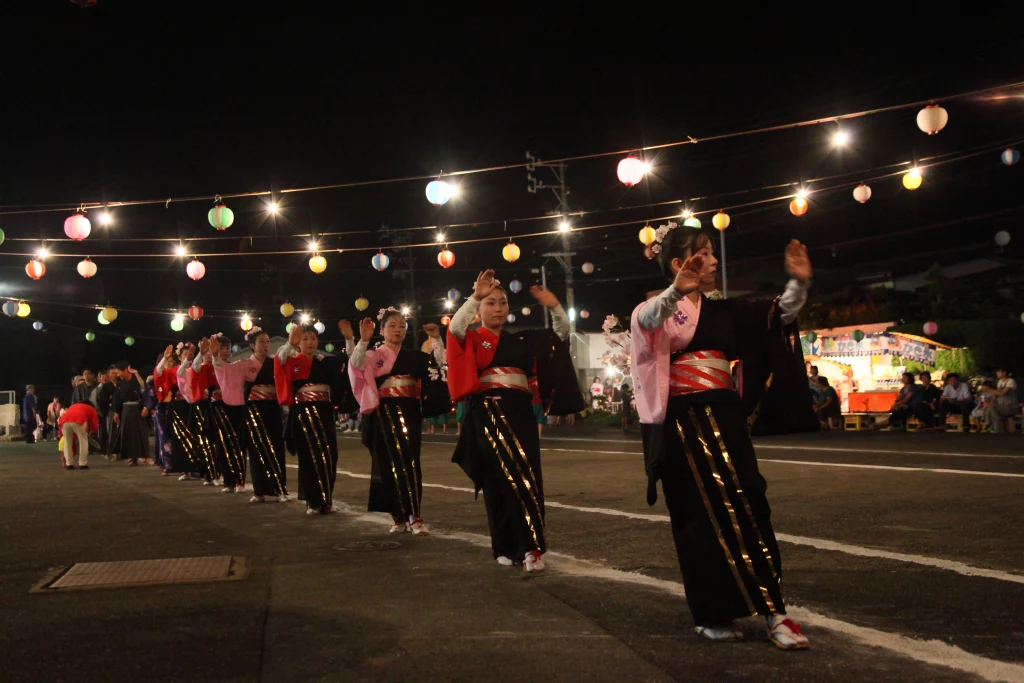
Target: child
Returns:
[984, 401]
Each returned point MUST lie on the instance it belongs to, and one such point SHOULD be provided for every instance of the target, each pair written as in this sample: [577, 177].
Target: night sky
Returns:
[152, 100]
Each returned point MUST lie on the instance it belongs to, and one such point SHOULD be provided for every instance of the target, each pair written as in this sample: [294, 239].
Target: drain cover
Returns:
[369, 545]
[85, 575]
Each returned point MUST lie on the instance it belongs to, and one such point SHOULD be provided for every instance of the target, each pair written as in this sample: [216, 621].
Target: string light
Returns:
[564, 226]
[42, 252]
[181, 251]
[448, 304]
[304, 319]
[272, 207]
[405, 310]
[840, 138]
[106, 218]
[313, 246]
[440, 237]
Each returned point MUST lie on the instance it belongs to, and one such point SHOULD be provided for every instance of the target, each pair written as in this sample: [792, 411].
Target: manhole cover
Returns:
[85, 575]
[369, 545]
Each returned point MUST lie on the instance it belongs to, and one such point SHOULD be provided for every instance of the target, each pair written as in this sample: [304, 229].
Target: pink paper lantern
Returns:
[631, 171]
[930, 328]
[77, 226]
[195, 269]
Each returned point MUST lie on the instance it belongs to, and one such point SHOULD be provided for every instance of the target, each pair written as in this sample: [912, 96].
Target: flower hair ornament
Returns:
[660, 234]
[385, 311]
[253, 333]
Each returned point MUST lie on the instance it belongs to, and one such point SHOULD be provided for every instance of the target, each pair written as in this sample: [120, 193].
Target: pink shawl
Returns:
[649, 357]
[377, 362]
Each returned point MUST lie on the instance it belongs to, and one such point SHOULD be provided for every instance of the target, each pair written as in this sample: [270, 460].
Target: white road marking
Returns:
[934, 652]
[819, 543]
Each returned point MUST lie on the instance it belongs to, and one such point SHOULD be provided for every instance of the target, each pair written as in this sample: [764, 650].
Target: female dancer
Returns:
[499, 448]
[396, 388]
[695, 429]
[175, 406]
[224, 425]
[193, 383]
[261, 419]
[307, 381]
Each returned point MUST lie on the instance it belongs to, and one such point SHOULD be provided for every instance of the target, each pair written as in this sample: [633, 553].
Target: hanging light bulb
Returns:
[840, 138]
[106, 218]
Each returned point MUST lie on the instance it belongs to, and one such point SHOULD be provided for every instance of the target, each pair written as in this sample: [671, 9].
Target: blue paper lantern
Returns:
[1010, 156]
[37, 326]
[439, 192]
[511, 317]
[11, 309]
[235, 348]
[515, 286]
[454, 294]
[380, 261]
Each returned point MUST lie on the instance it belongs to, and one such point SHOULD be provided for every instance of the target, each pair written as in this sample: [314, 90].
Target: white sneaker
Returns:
[207, 482]
[504, 561]
[183, 477]
[283, 498]
[721, 634]
[398, 528]
[533, 562]
[239, 488]
[312, 511]
[785, 634]
[418, 528]
[227, 489]
[257, 499]
[219, 481]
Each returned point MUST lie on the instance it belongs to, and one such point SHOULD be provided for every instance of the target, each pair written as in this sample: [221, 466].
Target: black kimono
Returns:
[264, 434]
[499, 448]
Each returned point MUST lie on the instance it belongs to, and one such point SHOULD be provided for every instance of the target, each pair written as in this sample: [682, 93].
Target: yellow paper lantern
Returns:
[362, 303]
[721, 220]
[912, 179]
[287, 309]
[648, 236]
[109, 314]
[23, 309]
[510, 252]
[317, 263]
[246, 323]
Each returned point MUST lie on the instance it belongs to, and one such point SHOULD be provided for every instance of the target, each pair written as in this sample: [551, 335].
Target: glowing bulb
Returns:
[405, 310]
[313, 246]
[272, 207]
[106, 218]
[440, 237]
[572, 314]
[453, 190]
[180, 250]
[304, 319]
[802, 194]
[564, 226]
[448, 304]
[840, 138]
[687, 213]
[42, 252]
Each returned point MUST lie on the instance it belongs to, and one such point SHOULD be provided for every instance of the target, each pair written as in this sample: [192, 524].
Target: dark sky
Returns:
[147, 100]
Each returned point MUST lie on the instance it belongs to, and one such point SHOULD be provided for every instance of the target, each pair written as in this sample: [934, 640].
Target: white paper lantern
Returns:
[511, 317]
[526, 310]
[86, 268]
[631, 171]
[862, 193]
[932, 119]
[1002, 238]
[587, 268]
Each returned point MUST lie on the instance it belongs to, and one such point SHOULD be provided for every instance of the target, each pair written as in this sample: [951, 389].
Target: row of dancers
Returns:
[697, 416]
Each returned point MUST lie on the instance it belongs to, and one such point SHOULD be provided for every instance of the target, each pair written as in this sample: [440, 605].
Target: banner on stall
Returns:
[872, 344]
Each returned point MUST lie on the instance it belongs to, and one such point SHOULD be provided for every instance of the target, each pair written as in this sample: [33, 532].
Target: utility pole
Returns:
[564, 257]
[404, 263]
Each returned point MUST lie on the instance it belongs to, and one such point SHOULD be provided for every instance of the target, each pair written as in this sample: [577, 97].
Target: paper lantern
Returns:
[631, 171]
[177, 323]
[35, 269]
[289, 327]
[811, 337]
[195, 269]
[526, 310]
[317, 263]
[510, 252]
[1002, 238]
[86, 268]
[439, 192]
[235, 348]
[1022, 317]
[362, 303]
[857, 335]
[912, 179]
[11, 309]
[584, 314]
[454, 294]
[862, 193]
[77, 226]
[1, 236]
[930, 328]
[90, 336]
[129, 341]
[329, 348]
[109, 314]
[195, 312]
[649, 253]
[37, 326]
[1010, 156]
[446, 258]
[692, 222]
[511, 318]
[101, 319]
[319, 327]
[587, 268]
[446, 320]
[246, 324]
[23, 309]
[287, 309]
[648, 235]
[380, 261]
[932, 119]
[721, 220]
[515, 286]
[221, 217]
[798, 207]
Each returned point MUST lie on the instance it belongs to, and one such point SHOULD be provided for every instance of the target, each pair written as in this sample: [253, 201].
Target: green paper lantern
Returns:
[329, 348]
[101, 319]
[1, 236]
[89, 336]
[857, 335]
[289, 327]
[811, 337]
[129, 341]
[692, 222]
[221, 217]
[177, 324]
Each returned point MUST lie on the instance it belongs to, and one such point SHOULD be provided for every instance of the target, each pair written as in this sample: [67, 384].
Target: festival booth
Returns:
[858, 362]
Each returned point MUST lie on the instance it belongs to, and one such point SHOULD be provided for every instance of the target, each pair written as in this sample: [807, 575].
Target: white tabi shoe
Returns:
[417, 527]
[219, 481]
[284, 498]
[239, 488]
[398, 528]
[227, 489]
[504, 561]
[785, 633]
[533, 562]
[257, 499]
[312, 511]
[183, 477]
[731, 633]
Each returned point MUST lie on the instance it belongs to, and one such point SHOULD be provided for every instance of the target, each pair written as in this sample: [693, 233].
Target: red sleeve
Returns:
[463, 378]
[283, 379]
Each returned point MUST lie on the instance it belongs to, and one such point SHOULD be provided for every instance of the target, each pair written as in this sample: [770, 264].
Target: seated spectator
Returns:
[1005, 403]
[956, 397]
[829, 406]
[906, 403]
[929, 404]
[985, 399]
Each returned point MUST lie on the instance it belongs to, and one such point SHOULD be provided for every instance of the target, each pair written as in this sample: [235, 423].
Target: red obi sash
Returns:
[691, 373]
[399, 386]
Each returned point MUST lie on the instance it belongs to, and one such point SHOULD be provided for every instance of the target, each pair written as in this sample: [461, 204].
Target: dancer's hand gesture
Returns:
[345, 327]
[798, 264]
[213, 346]
[169, 352]
[204, 346]
[484, 285]
[295, 336]
[432, 330]
[544, 296]
[366, 328]
[688, 278]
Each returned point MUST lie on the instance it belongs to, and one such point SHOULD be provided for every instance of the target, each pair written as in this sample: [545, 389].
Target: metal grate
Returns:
[85, 575]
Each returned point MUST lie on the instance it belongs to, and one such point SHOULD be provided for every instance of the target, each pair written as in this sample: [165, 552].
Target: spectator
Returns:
[52, 417]
[985, 399]
[816, 388]
[906, 403]
[829, 407]
[76, 424]
[84, 389]
[956, 397]
[29, 413]
[1005, 403]
[626, 396]
[929, 404]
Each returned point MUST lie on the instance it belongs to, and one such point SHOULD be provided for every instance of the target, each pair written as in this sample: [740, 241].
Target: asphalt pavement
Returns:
[903, 560]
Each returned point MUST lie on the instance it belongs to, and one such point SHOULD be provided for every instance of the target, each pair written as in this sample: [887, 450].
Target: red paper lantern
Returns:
[446, 258]
[798, 207]
[35, 269]
[446, 320]
[195, 312]
[195, 269]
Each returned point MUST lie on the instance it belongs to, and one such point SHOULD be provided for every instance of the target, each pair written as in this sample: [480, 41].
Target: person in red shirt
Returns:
[79, 421]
